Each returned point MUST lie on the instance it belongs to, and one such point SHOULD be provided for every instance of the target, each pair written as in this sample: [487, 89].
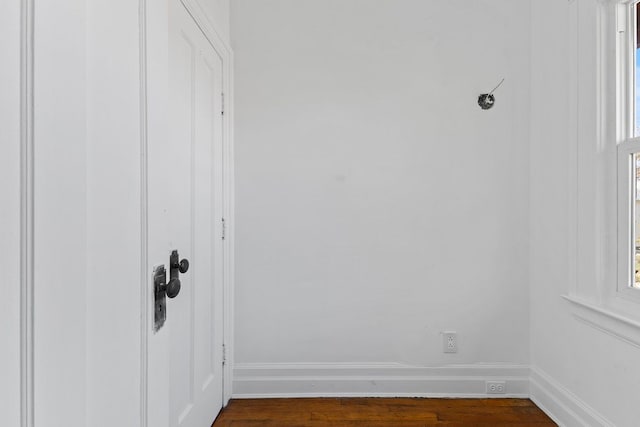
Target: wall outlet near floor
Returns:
[496, 387]
[450, 342]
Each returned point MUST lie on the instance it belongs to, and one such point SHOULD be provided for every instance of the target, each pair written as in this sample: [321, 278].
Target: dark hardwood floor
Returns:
[379, 412]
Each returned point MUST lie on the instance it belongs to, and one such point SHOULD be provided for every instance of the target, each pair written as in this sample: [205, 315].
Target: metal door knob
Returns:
[173, 288]
[184, 265]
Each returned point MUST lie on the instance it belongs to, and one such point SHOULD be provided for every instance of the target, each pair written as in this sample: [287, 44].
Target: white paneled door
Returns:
[185, 166]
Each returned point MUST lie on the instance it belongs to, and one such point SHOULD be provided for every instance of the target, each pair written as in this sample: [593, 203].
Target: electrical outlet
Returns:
[496, 387]
[450, 342]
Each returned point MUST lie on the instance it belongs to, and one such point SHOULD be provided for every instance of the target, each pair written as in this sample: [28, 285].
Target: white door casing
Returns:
[185, 211]
[12, 194]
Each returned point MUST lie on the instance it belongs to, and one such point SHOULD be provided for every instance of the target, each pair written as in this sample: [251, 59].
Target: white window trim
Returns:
[598, 136]
[627, 144]
[610, 322]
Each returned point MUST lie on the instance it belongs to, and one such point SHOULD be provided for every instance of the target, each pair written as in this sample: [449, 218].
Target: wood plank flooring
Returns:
[382, 412]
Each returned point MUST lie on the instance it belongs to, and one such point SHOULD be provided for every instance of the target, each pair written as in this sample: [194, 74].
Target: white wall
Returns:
[376, 203]
[581, 374]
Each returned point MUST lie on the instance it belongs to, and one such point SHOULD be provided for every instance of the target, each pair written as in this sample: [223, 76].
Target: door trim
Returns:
[26, 213]
[225, 53]
[145, 291]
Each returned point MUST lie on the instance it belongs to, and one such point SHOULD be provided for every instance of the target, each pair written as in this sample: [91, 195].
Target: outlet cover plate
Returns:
[496, 387]
[450, 342]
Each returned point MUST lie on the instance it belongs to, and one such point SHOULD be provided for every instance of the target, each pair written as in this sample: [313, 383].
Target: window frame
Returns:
[627, 144]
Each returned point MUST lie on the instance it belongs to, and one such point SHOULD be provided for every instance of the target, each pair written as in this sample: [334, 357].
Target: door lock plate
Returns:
[163, 289]
[160, 297]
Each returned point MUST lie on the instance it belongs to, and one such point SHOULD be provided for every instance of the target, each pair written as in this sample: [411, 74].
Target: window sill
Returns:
[605, 320]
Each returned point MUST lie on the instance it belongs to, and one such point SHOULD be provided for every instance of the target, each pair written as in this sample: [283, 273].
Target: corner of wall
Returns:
[560, 404]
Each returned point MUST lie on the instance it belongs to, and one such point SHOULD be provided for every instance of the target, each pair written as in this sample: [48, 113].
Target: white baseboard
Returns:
[565, 408]
[375, 380]
[275, 380]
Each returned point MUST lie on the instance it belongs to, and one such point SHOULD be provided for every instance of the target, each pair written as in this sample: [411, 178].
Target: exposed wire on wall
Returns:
[487, 100]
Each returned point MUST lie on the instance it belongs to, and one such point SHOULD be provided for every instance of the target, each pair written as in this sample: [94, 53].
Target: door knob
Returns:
[182, 266]
[176, 264]
[173, 287]
[164, 289]
[176, 267]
